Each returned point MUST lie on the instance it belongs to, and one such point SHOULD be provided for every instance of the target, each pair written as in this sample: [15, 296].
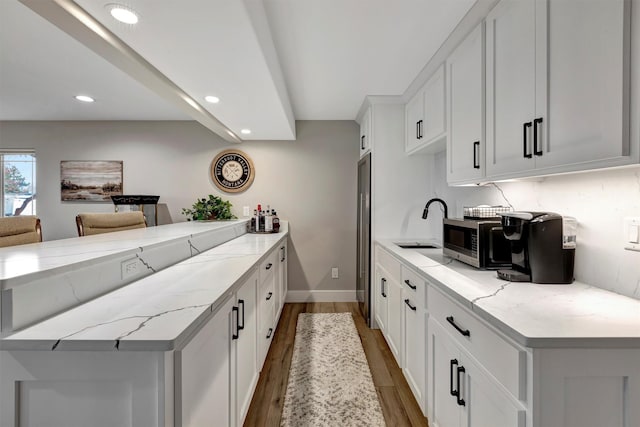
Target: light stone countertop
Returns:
[534, 315]
[157, 313]
[19, 264]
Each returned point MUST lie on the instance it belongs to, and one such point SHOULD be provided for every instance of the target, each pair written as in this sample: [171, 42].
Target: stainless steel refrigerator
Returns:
[363, 287]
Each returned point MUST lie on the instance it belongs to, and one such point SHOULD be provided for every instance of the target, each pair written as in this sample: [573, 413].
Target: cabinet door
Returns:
[486, 405]
[203, 383]
[395, 318]
[281, 284]
[246, 357]
[266, 317]
[435, 124]
[365, 133]
[510, 85]
[414, 345]
[414, 121]
[465, 81]
[444, 359]
[583, 88]
[381, 298]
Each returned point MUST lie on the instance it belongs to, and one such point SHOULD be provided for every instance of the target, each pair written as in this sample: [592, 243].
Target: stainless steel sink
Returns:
[416, 245]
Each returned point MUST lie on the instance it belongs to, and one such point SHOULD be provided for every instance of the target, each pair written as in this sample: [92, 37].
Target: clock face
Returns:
[232, 171]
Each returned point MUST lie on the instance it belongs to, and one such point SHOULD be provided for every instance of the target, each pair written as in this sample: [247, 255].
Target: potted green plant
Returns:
[207, 209]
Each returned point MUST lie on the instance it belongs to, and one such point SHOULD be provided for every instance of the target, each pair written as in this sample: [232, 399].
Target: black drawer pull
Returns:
[236, 334]
[409, 304]
[525, 126]
[460, 400]
[270, 332]
[383, 282]
[452, 363]
[536, 151]
[362, 142]
[464, 332]
[283, 257]
[410, 285]
[269, 295]
[476, 155]
[268, 266]
[241, 327]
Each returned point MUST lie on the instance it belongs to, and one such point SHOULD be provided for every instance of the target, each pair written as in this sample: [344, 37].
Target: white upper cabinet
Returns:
[557, 82]
[465, 92]
[365, 133]
[425, 116]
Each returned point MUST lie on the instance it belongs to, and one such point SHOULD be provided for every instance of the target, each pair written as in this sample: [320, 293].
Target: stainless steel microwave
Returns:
[480, 243]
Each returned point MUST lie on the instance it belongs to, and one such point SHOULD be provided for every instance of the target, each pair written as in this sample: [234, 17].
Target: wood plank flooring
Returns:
[398, 404]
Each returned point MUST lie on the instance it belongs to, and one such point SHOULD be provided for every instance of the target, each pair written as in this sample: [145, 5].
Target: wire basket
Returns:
[482, 212]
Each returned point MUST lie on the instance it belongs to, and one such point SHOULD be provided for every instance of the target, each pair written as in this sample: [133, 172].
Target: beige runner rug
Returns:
[330, 382]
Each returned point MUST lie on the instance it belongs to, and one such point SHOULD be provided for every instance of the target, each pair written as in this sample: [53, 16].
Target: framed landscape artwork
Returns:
[90, 181]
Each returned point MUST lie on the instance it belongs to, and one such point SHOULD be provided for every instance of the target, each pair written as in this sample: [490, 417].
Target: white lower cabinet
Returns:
[380, 299]
[216, 372]
[414, 339]
[267, 304]
[395, 327]
[461, 392]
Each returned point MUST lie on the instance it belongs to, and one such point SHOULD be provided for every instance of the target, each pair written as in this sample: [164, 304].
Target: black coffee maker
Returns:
[542, 249]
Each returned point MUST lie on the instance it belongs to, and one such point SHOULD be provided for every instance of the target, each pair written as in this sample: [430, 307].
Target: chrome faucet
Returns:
[425, 212]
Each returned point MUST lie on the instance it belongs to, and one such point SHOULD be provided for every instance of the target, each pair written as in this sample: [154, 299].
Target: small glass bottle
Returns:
[276, 222]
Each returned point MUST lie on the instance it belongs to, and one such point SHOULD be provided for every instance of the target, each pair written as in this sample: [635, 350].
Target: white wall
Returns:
[310, 181]
[599, 200]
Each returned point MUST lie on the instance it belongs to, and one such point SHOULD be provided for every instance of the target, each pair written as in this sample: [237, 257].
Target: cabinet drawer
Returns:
[268, 266]
[505, 361]
[415, 287]
[390, 264]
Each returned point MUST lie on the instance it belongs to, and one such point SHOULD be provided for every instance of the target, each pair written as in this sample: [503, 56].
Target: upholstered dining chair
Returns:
[20, 230]
[98, 223]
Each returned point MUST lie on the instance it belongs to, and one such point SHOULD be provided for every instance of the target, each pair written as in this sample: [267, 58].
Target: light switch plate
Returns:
[334, 273]
[632, 233]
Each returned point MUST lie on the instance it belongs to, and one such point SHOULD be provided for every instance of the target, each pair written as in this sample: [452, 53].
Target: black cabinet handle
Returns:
[269, 295]
[536, 122]
[270, 332]
[409, 304]
[283, 253]
[241, 327]
[452, 363]
[235, 335]
[476, 155]
[268, 266]
[525, 126]
[420, 129]
[460, 400]
[464, 332]
[383, 282]
[410, 285]
[362, 142]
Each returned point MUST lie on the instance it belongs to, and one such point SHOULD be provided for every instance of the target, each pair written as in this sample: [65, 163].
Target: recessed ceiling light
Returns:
[123, 13]
[212, 99]
[84, 98]
[245, 131]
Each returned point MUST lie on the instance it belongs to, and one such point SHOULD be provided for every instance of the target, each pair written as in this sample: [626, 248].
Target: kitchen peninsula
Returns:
[183, 344]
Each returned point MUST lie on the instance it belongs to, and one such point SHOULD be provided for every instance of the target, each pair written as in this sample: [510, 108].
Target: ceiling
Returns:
[270, 62]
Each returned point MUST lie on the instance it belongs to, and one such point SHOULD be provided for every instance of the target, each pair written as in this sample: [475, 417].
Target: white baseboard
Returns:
[321, 296]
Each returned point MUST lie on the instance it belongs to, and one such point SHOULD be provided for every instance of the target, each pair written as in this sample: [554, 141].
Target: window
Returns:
[18, 189]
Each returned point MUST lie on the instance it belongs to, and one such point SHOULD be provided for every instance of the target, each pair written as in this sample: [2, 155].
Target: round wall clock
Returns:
[232, 171]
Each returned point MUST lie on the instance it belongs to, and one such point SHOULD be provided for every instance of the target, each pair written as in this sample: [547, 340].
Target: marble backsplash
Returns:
[599, 200]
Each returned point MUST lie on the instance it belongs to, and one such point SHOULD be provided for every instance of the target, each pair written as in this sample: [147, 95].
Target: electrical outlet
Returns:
[129, 268]
[632, 233]
[334, 273]
[245, 211]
